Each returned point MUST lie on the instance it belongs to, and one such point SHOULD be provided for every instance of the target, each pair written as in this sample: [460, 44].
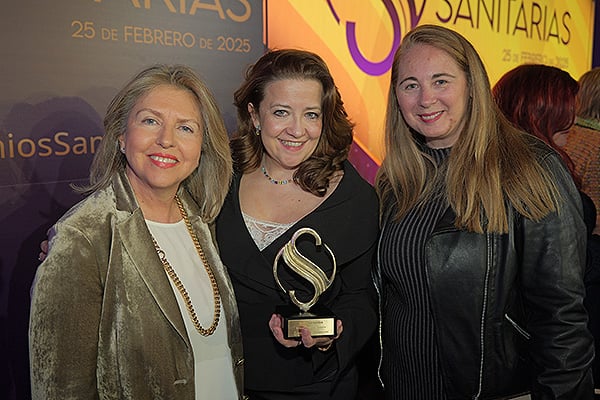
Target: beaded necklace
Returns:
[274, 181]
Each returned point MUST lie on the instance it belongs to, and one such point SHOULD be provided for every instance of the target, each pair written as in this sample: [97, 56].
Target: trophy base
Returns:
[319, 320]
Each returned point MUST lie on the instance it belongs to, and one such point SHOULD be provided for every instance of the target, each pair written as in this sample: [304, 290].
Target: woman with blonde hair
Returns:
[132, 300]
[482, 249]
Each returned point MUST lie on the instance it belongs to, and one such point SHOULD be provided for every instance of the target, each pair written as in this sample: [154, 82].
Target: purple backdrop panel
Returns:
[62, 62]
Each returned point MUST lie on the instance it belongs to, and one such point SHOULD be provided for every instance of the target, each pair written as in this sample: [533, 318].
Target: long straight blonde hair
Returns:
[491, 165]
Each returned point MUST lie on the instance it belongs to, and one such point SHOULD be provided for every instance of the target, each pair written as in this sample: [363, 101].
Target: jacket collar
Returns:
[588, 123]
[137, 243]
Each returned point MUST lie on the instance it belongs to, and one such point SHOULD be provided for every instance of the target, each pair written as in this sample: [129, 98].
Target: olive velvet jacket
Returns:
[105, 323]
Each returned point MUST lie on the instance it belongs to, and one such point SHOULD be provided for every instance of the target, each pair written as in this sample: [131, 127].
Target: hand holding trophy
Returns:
[317, 318]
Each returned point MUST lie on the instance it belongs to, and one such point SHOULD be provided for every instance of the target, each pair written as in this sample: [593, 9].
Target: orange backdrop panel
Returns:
[357, 39]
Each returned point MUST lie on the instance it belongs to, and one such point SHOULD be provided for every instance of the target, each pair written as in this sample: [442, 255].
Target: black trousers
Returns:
[344, 389]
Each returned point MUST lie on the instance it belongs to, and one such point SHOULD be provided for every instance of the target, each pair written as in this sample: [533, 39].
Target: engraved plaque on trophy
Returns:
[317, 318]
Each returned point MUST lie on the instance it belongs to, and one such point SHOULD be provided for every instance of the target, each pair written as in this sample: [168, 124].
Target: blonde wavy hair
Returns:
[491, 165]
[209, 183]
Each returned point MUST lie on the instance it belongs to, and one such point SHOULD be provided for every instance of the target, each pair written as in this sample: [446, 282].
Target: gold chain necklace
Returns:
[179, 285]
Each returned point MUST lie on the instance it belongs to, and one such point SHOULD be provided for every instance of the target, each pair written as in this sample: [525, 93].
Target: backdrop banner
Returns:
[358, 38]
[62, 62]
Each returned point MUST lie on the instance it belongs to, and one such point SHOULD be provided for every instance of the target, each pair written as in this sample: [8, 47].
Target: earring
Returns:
[258, 130]
[122, 149]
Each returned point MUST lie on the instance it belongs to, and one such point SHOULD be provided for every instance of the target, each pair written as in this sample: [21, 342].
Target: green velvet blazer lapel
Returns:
[137, 242]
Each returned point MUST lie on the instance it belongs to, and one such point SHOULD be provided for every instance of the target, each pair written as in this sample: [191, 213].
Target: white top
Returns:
[213, 370]
[264, 232]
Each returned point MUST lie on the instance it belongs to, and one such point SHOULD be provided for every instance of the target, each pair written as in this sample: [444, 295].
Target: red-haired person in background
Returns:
[583, 140]
[540, 100]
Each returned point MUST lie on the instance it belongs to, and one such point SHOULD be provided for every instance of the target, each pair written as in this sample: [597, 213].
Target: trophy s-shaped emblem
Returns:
[319, 325]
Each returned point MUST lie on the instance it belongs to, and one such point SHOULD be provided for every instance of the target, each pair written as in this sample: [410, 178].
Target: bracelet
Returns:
[325, 348]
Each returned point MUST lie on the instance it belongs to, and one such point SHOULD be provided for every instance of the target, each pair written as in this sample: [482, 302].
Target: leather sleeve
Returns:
[561, 346]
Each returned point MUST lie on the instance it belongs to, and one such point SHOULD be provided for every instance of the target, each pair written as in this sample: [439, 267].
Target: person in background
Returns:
[291, 171]
[132, 300]
[583, 146]
[482, 249]
[583, 139]
[540, 100]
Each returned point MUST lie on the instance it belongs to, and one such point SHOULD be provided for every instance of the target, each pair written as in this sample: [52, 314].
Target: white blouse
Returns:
[212, 357]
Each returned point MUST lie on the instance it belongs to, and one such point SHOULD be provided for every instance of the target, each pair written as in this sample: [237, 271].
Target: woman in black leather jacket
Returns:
[482, 249]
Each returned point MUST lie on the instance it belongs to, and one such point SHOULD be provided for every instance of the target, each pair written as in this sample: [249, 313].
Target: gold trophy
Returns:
[318, 319]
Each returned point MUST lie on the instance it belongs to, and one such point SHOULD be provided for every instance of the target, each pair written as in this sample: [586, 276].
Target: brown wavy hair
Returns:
[491, 164]
[209, 183]
[313, 174]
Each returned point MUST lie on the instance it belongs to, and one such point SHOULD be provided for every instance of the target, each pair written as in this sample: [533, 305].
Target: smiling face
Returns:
[163, 141]
[432, 94]
[290, 119]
